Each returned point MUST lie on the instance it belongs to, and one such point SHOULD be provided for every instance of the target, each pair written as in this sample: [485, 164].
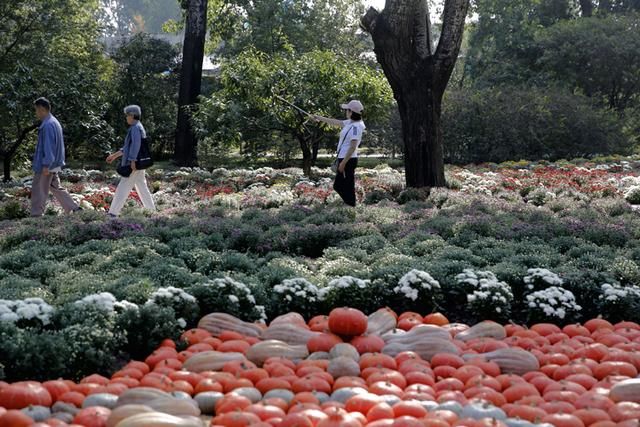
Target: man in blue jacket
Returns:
[48, 161]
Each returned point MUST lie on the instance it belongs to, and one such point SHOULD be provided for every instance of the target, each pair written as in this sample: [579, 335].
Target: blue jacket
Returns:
[50, 148]
[132, 143]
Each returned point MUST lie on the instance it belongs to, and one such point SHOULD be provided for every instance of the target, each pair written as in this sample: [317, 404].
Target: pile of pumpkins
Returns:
[348, 369]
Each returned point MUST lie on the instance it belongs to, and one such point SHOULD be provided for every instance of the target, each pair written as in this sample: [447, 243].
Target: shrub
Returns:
[414, 194]
[417, 291]
[618, 302]
[30, 312]
[297, 295]
[541, 278]
[13, 209]
[349, 291]
[145, 328]
[487, 297]
[527, 123]
[553, 303]
[229, 296]
[632, 195]
[183, 304]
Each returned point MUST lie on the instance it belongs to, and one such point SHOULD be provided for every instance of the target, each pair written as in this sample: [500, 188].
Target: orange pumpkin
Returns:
[15, 418]
[322, 342]
[23, 394]
[347, 322]
[437, 319]
[95, 416]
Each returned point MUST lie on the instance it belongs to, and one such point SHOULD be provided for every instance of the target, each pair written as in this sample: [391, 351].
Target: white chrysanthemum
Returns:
[554, 301]
[343, 282]
[541, 274]
[415, 281]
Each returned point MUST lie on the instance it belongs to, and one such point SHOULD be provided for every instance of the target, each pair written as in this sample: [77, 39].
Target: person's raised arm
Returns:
[327, 120]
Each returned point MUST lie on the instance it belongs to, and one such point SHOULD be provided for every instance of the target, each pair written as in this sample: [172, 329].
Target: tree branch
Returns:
[9, 152]
[455, 13]
[422, 30]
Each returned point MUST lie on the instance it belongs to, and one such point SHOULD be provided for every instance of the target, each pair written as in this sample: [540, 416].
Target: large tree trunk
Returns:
[587, 7]
[190, 80]
[418, 76]
[306, 154]
[422, 135]
[6, 161]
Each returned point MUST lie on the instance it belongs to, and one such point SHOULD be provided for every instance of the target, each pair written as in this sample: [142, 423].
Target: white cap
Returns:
[353, 105]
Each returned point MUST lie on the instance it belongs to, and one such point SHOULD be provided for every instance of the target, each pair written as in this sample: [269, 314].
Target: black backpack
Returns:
[144, 160]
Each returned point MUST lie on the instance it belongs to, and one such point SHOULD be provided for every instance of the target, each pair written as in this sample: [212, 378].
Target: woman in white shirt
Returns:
[350, 138]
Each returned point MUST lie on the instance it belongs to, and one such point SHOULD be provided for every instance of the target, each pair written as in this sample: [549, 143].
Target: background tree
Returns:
[245, 110]
[598, 56]
[146, 73]
[273, 25]
[50, 48]
[418, 76]
[506, 123]
[185, 153]
[124, 17]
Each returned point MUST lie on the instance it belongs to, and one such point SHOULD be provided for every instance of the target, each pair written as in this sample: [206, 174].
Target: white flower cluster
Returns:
[553, 301]
[170, 294]
[236, 292]
[27, 309]
[478, 183]
[632, 195]
[488, 291]
[540, 196]
[472, 278]
[344, 282]
[612, 293]
[298, 287]
[415, 282]
[105, 301]
[257, 195]
[536, 275]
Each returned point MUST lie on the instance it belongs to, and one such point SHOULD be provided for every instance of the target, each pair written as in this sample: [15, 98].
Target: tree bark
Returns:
[6, 161]
[306, 154]
[190, 81]
[418, 76]
[587, 8]
[604, 6]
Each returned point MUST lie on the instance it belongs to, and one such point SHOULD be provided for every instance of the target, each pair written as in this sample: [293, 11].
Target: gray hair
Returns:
[134, 110]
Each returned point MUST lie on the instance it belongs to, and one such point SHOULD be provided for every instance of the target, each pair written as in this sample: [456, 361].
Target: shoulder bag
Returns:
[336, 162]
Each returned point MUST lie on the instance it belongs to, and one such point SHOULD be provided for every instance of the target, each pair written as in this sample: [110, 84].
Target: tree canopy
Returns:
[50, 48]
[245, 109]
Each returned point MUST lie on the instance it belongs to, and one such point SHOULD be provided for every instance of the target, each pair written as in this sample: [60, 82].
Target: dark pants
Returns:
[345, 184]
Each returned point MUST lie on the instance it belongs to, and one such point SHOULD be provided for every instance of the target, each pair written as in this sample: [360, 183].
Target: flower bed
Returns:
[488, 248]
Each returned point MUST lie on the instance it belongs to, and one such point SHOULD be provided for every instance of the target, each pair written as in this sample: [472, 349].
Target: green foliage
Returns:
[145, 328]
[13, 209]
[229, 296]
[146, 74]
[272, 26]
[131, 16]
[50, 48]
[244, 110]
[598, 56]
[349, 291]
[518, 123]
